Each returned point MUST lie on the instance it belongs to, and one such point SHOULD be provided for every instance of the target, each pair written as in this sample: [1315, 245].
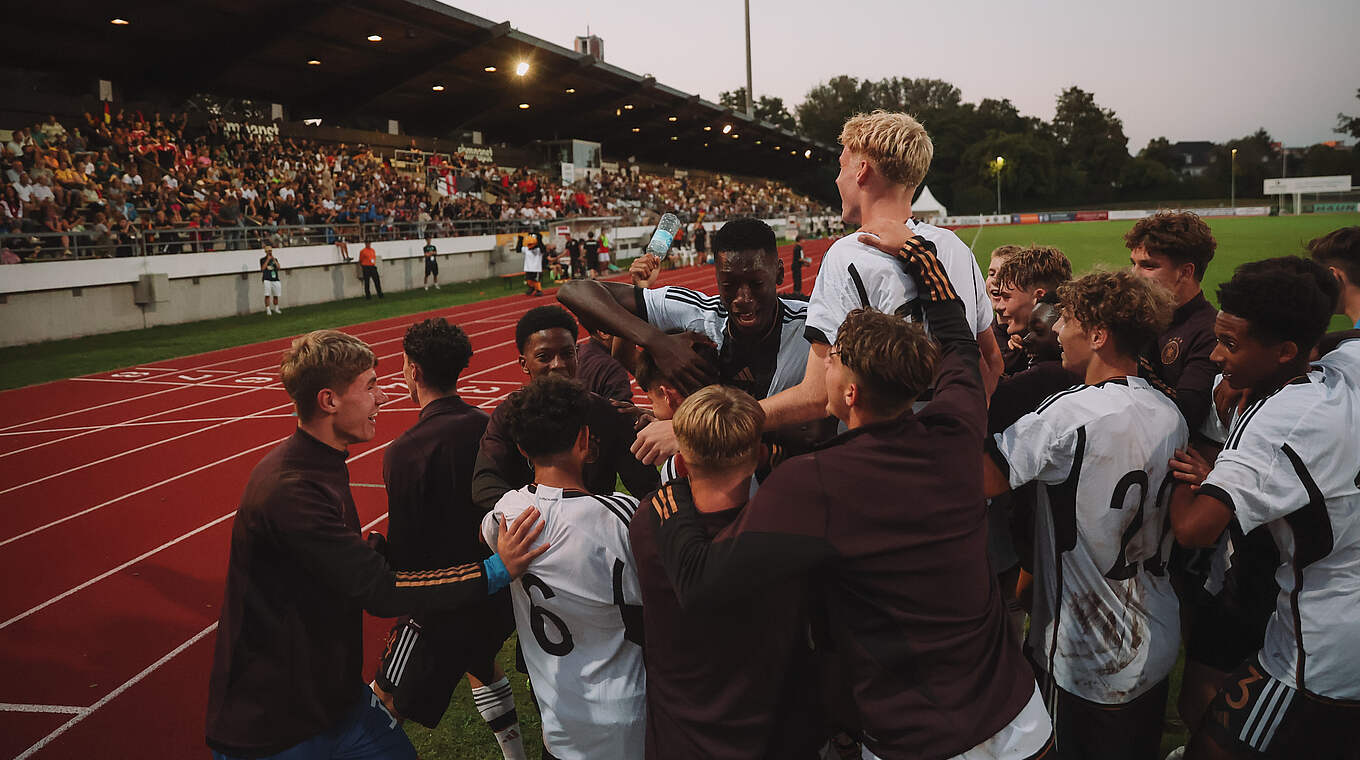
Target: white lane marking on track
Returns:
[107, 698]
[367, 485]
[65, 709]
[149, 423]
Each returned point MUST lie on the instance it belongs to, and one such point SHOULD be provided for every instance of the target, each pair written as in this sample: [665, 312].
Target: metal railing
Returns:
[46, 246]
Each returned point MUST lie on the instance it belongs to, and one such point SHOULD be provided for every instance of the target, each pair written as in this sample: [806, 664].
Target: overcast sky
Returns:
[1187, 70]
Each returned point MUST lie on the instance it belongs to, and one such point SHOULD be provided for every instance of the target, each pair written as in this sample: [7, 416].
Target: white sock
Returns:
[496, 703]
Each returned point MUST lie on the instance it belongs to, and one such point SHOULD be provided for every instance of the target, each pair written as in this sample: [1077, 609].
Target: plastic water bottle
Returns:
[664, 235]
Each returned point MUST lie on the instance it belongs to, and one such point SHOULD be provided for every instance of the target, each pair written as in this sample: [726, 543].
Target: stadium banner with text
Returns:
[1252, 211]
[1128, 214]
[1338, 183]
[1092, 216]
[476, 152]
[1024, 218]
[1335, 208]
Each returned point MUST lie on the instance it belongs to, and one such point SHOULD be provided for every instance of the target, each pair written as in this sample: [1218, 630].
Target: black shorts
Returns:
[1131, 731]
[531, 276]
[431, 265]
[424, 661]
[1257, 715]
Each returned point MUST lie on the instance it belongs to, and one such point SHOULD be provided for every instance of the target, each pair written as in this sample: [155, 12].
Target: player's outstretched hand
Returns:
[516, 544]
[677, 358]
[1190, 467]
[656, 443]
[645, 269]
[641, 417]
[886, 236]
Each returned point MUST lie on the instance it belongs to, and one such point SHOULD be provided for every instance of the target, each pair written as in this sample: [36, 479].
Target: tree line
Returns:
[1080, 158]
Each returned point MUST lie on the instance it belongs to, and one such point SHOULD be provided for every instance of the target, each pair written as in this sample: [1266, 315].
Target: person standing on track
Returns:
[270, 267]
[433, 523]
[431, 263]
[368, 264]
[798, 265]
[287, 675]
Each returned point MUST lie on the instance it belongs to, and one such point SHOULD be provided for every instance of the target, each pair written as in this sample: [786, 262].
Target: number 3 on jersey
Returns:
[540, 617]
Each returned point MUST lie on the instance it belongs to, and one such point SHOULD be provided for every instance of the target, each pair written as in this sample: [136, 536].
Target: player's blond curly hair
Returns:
[1134, 309]
[322, 359]
[718, 428]
[894, 143]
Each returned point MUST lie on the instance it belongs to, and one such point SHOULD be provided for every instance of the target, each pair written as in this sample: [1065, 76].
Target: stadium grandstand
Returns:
[384, 120]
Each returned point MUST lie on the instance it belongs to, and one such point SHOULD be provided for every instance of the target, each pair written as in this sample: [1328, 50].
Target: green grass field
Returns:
[463, 735]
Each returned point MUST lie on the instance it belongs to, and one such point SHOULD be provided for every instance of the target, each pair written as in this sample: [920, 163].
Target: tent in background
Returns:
[926, 207]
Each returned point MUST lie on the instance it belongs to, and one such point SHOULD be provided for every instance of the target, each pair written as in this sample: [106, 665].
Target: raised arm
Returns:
[619, 309]
[805, 401]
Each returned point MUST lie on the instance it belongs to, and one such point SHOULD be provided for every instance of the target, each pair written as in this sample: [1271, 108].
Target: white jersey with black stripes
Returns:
[670, 308]
[578, 611]
[1291, 462]
[1106, 619]
[853, 275]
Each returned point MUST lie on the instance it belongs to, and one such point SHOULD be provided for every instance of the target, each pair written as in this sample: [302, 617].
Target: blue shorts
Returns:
[368, 732]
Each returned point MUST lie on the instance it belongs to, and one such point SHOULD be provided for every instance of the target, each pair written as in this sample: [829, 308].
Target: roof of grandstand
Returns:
[315, 58]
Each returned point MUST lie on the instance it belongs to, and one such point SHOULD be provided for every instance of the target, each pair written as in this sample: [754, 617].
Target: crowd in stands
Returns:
[120, 183]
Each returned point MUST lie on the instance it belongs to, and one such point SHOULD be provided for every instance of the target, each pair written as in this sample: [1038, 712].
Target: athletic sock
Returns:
[496, 703]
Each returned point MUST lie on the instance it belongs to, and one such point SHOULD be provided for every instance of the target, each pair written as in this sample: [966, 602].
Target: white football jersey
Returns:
[578, 614]
[1106, 621]
[1291, 463]
[854, 275]
[676, 308]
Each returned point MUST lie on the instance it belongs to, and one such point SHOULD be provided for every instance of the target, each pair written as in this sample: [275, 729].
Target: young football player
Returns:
[577, 608]
[1288, 463]
[1104, 630]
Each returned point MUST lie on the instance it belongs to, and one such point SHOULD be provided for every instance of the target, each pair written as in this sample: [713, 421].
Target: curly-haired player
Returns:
[1104, 631]
[578, 608]
[433, 522]
[1288, 464]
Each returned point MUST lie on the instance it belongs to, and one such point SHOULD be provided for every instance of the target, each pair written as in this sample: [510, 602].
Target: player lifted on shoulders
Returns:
[885, 158]
[1289, 463]
[911, 602]
[578, 608]
[1104, 629]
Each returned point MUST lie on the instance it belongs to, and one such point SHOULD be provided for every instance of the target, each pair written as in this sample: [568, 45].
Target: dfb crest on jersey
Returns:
[1172, 350]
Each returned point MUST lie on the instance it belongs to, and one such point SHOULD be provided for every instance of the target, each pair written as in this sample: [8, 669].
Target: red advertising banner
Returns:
[1029, 218]
[1092, 216]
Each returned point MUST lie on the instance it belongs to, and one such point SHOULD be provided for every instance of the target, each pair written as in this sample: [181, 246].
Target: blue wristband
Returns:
[497, 577]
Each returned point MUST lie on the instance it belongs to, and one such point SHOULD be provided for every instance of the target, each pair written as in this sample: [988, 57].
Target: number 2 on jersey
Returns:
[1122, 568]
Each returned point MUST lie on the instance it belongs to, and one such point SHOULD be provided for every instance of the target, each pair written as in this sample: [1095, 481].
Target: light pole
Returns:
[1000, 162]
[1232, 191]
[750, 96]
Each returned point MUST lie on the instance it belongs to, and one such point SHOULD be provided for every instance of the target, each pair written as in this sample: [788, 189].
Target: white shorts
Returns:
[1023, 737]
[273, 288]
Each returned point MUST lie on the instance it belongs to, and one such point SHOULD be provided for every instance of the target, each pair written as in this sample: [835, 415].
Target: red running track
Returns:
[117, 493]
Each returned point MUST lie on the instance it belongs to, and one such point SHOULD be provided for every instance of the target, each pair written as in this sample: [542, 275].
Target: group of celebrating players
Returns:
[926, 513]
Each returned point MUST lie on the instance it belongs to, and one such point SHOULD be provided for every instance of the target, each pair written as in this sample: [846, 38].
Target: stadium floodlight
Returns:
[735, 135]
[523, 105]
[627, 106]
[757, 142]
[313, 62]
[807, 153]
[637, 129]
[375, 38]
[1000, 163]
[119, 22]
[708, 129]
[674, 138]
[438, 88]
[727, 129]
[671, 118]
[571, 90]
[490, 69]
[521, 68]
[1232, 182]
[776, 147]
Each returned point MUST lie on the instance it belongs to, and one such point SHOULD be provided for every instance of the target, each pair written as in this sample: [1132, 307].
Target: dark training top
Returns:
[1021, 393]
[1013, 360]
[889, 521]
[1181, 360]
[601, 373]
[432, 521]
[289, 653]
[732, 684]
[501, 468]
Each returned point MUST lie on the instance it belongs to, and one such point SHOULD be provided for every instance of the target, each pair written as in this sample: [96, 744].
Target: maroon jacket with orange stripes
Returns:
[289, 653]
